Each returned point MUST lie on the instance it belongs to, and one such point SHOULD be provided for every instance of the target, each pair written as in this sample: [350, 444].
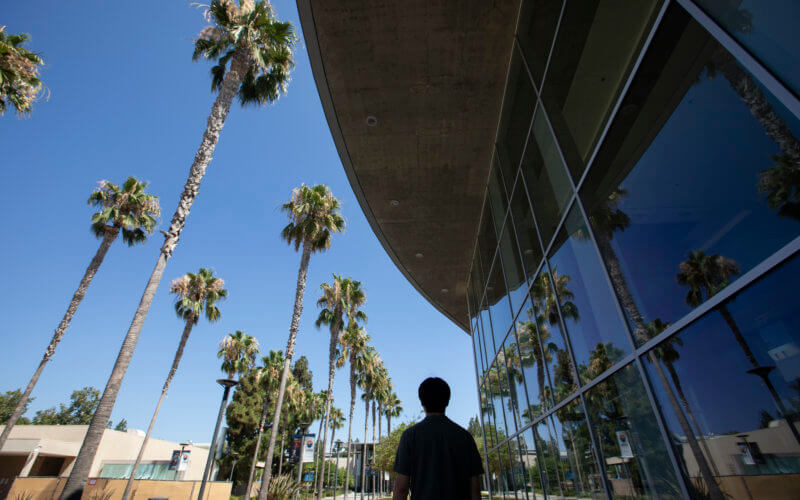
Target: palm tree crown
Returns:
[128, 208]
[19, 73]
[705, 273]
[198, 293]
[341, 300]
[238, 352]
[314, 215]
[248, 34]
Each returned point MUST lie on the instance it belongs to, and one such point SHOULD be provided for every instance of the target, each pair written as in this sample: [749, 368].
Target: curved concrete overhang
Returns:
[412, 94]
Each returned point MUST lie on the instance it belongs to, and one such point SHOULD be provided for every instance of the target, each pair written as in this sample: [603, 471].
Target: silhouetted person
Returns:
[437, 459]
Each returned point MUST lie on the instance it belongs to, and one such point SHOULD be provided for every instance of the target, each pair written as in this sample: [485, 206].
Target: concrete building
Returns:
[605, 196]
[50, 451]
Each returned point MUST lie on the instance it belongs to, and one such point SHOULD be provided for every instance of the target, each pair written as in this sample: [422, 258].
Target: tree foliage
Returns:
[386, 450]
[19, 73]
[8, 402]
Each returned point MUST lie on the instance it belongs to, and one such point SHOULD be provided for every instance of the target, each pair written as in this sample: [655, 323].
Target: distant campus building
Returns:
[606, 196]
[49, 451]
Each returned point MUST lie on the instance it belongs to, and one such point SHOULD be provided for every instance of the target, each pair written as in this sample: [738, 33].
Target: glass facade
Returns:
[632, 321]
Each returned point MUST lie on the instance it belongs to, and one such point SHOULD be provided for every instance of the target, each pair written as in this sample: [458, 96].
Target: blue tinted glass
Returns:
[534, 369]
[499, 306]
[595, 328]
[544, 313]
[696, 182]
[767, 29]
[729, 388]
[512, 266]
[515, 382]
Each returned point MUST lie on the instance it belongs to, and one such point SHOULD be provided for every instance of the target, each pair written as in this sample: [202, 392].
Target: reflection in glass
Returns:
[544, 313]
[512, 266]
[592, 56]
[506, 397]
[546, 177]
[532, 359]
[488, 416]
[499, 306]
[487, 242]
[514, 379]
[518, 105]
[488, 339]
[596, 331]
[728, 193]
[495, 382]
[631, 446]
[537, 27]
[767, 29]
[566, 454]
[530, 461]
[526, 231]
[734, 415]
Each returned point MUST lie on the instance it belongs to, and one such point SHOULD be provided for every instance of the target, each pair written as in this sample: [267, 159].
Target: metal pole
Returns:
[336, 470]
[303, 430]
[227, 384]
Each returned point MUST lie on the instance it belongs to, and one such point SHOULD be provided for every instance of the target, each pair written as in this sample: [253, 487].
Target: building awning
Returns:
[412, 94]
[47, 447]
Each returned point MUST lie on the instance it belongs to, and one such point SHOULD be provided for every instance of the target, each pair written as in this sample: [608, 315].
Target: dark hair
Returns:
[434, 394]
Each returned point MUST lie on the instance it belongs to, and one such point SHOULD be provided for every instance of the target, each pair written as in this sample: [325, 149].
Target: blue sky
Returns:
[126, 99]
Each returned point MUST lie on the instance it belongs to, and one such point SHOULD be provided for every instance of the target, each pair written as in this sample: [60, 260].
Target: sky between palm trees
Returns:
[126, 99]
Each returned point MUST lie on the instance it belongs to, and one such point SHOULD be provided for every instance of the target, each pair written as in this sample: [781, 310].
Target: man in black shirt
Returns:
[437, 459]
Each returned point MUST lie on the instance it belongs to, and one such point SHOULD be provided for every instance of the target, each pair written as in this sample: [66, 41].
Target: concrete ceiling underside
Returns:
[432, 74]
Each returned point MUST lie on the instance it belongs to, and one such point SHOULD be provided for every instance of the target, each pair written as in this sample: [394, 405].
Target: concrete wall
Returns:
[115, 447]
[48, 488]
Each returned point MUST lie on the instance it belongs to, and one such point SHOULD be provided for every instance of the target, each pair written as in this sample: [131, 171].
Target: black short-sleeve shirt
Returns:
[440, 457]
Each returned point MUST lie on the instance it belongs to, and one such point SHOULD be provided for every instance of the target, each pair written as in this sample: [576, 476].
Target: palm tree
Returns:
[319, 414]
[335, 421]
[19, 73]
[129, 210]
[369, 367]
[384, 388]
[195, 294]
[314, 216]
[606, 219]
[259, 50]
[267, 377]
[340, 301]
[238, 352]
[706, 275]
[354, 343]
[393, 408]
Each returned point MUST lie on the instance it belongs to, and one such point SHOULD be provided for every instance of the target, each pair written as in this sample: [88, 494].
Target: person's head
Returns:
[434, 394]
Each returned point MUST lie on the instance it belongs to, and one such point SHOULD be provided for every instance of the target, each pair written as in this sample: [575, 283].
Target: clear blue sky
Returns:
[126, 99]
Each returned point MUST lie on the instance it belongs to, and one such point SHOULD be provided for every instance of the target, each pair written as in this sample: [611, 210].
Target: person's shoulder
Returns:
[458, 429]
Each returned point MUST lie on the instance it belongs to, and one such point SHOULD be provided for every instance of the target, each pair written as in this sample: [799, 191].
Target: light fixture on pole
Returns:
[303, 429]
[226, 383]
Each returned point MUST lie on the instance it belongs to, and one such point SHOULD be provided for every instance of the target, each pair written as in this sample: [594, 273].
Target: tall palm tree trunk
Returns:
[329, 397]
[280, 463]
[108, 238]
[336, 461]
[302, 273]
[629, 305]
[264, 413]
[350, 425]
[219, 112]
[175, 362]
[374, 484]
[364, 449]
[317, 452]
[752, 96]
[380, 419]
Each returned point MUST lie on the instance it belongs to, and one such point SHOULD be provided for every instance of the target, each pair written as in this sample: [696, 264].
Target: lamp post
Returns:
[336, 468]
[180, 461]
[303, 429]
[226, 383]
[233, 467]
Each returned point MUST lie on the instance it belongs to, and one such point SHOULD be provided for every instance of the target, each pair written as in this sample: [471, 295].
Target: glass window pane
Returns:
[488, 340]
[729, 389]
[556, 358]
[545, 177]
[487, 416]
[515, 377]
[512, 265]
[519, 471]
[532, 360]
[592, 57]
[497, 388]
[499, 306]
[595, 328]
[487, 241]
[689, 190]
[496, 467]
[505, 393]
[497, 195]
[530, 461]
[537, 27]
[634, 454]
[767, 29]
[567, 455]
[518, 104]
[526, 231]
